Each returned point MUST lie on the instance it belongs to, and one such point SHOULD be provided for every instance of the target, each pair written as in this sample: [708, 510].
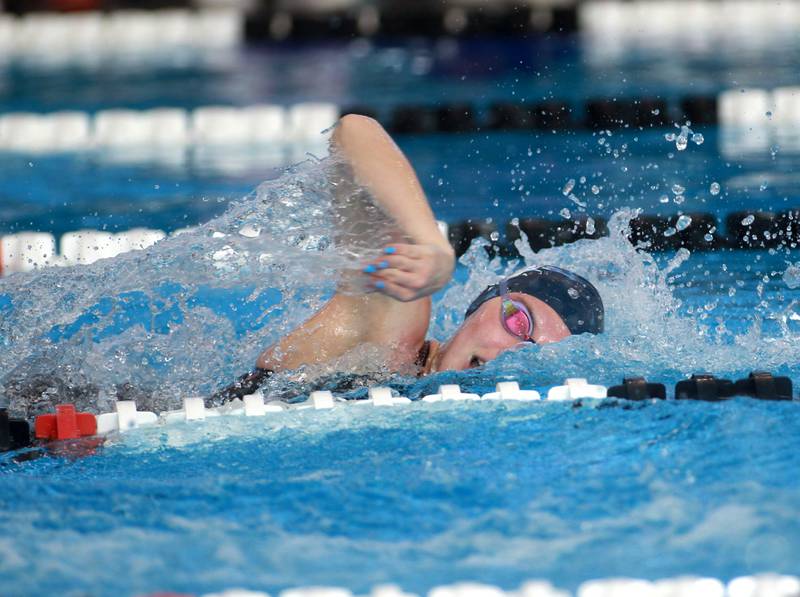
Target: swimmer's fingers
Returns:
[406, 279]
[394, 290]
[399, 262]
[408, 272]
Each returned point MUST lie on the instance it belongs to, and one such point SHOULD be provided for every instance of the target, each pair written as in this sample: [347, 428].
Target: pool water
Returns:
[489, 175]
[425, 494]
[418, 495]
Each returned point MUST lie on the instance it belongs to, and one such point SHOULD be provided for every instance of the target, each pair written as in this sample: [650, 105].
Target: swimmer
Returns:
[538, 305]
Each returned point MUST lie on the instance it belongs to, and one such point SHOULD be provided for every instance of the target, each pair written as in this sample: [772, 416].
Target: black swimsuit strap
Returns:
[245, 385]
[250, 382]
[422, 355]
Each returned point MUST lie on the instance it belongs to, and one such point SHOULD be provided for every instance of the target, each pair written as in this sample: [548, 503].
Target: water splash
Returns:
[649, 331]
[187, 315]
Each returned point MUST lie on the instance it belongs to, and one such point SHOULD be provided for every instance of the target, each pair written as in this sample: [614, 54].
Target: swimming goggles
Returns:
[514, 316]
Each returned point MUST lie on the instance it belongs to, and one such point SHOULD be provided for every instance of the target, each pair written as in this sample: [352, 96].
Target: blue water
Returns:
[487, 175]
[419, 495]
[425, 494]
[63, 193]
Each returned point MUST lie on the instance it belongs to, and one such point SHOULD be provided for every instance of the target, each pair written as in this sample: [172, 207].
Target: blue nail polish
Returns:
[379, 285]
[390, 250]
[370, 269]
[383, 265]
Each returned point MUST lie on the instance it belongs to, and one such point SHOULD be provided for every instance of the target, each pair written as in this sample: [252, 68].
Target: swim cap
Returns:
[573, 297]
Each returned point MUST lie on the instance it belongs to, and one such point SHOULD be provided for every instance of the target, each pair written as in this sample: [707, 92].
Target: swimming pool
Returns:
[424, 494]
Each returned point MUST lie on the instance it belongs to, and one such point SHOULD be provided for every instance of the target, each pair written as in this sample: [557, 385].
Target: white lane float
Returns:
[576, 388]
[125, 418]
[689, 586]
[27, 251]
[509, 390]
[764, 585]
[194, 409]
[308, 121]
[449, 392]
[316, 592]
[381, 396]
[618, 587]
[58, 38]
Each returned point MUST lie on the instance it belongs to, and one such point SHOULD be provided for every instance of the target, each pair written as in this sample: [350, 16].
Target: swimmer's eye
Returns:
[476, 362]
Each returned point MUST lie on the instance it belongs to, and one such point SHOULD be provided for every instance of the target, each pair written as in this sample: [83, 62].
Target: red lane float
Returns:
[66, 423]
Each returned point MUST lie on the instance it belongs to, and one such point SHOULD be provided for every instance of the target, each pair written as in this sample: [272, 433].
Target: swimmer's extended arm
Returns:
[414, 270]
[397, 316]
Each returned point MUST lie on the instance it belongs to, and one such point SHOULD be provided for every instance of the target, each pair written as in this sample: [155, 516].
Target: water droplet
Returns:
[595, 189]
[748, 220]
[714, 188]
[670, 137]
[590, 226]
[669, 232]
[582, 180]
[763, 186]
[678, 189]
[440, 182]
[791, 277]
[708, 237]
[250, 231]
[573, 293]
[576, 201]
[565, 213]
[656, 112]
[663, 199]
[681, 142]
[494, 236]
[698, 139]
[678, 200]
[601, 141]
[568, 187]
[683, 222]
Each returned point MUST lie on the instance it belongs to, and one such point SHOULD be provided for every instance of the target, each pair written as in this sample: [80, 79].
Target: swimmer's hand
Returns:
[408, 272]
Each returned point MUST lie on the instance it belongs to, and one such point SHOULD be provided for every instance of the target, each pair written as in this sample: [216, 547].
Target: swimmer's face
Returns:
[482, 336]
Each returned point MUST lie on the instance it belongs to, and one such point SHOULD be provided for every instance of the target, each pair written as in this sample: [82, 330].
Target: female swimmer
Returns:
[540, 305]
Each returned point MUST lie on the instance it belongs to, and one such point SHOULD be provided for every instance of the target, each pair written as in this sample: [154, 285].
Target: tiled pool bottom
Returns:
[420, 495]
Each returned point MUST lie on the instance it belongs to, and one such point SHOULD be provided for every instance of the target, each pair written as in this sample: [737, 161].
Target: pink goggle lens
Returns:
[516, 321]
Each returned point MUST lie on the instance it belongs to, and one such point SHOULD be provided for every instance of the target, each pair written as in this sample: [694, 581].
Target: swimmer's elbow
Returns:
[353, 128]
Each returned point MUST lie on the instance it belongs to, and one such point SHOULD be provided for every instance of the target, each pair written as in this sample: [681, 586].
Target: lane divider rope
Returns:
[165, 128]
[27, 251]
[613, 28]
[759, 585]
[88, 37]
[749, 115]
[68, 424]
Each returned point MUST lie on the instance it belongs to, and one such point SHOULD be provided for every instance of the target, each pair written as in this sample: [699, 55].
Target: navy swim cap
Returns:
[573, 297]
